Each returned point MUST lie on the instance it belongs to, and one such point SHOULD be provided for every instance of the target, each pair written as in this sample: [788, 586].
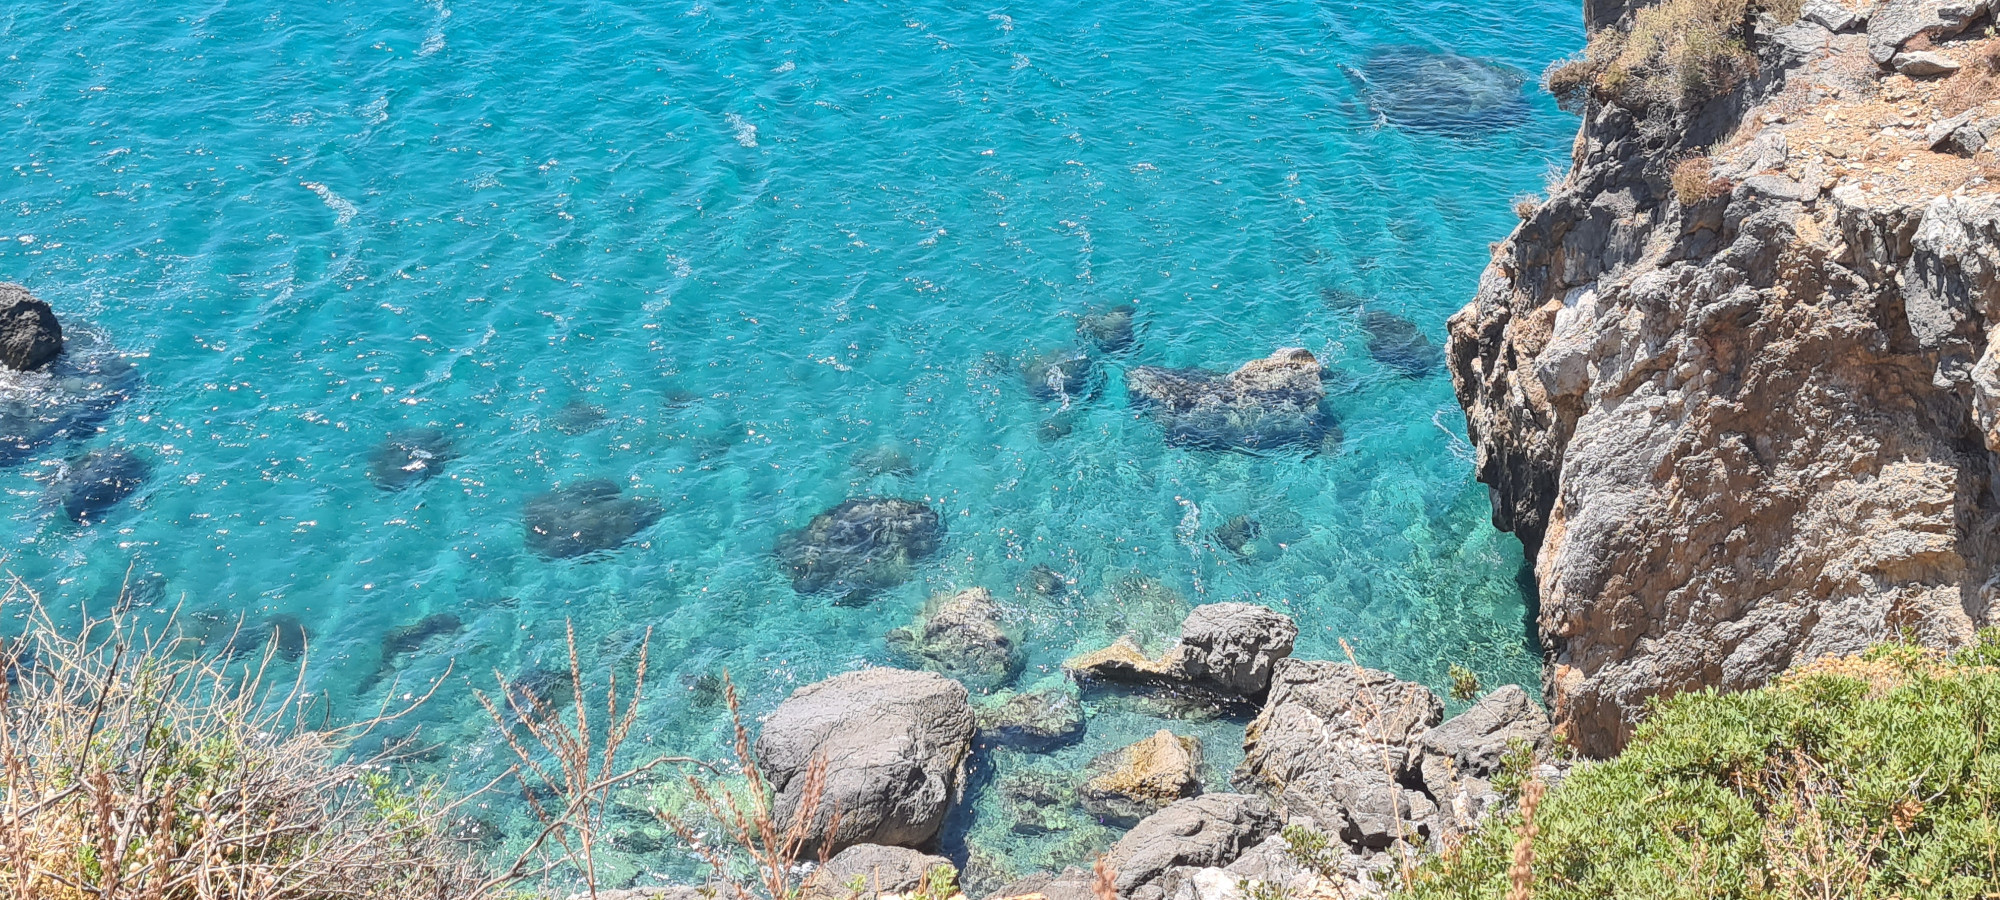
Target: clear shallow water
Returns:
[765, 240]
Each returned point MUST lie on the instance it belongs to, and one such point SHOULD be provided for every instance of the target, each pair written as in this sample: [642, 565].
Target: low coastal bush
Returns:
[135, 769]
[1676, 54]
[1868, 777]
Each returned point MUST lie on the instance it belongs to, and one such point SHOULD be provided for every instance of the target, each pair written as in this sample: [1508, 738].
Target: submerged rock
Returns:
[1397, 343]
[1425, 90]
[284, 635]
[897, 742]
[1036, 721]
[585, 517]
[1055, 427]
[68, 397]
[1110, 331]
[30, 336]
[1058, 374]
[406, 639]
[90, 485]
[1044, 582]
[959, 635]
[1038, 801]
[579, 417]
[883, 460]
[1132, 782]
[861, 546]
[1244, 537]
[409, 457]
[1265, 403]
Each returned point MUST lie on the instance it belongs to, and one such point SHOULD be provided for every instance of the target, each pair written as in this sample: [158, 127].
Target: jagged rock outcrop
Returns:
[1265, 403]
[1742, 407]
[893, 744]
[1336, 742]
[1229, 648]
[30, 336]
[1139, 779]
[1458, 759]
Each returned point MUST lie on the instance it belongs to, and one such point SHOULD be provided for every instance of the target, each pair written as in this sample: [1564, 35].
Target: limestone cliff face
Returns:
[1755, 421]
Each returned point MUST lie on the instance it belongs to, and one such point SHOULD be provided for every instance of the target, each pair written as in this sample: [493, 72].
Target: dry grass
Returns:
[1693, 181]
[135, 770]
[1977, 84]
[749, 830]
[1677, 54]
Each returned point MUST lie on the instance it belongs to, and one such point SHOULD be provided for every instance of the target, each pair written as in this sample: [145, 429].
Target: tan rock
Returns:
[1130, 783]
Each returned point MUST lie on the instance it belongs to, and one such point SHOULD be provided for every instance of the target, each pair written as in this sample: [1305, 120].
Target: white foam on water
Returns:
[377, 112]
[434, 40]
[343, 211]
[746, 133]
[786, 67]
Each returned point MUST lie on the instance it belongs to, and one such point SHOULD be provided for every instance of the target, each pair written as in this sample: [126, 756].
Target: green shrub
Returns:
[1865, 778]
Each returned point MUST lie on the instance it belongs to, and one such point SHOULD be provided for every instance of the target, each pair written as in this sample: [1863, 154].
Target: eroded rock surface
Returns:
[1132, 782]
[894, 745]
[1336, 742]
[1751, 422]
[30, 336]
[1229, 648]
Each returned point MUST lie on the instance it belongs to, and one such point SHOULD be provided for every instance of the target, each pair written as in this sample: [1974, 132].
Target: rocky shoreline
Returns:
[1356, 755]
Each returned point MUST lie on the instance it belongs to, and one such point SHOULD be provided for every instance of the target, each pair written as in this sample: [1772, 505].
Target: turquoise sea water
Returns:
[779, 246]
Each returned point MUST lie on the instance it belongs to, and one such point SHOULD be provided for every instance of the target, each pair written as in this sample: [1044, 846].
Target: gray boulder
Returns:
[882, 870]
[1225, 647]
[30, 336]
[1336, 742]
[894, 744]
[1232, 647]
[1923, 63]
[1210, 830]
[960, 636]
[1894, 23]
[1459, 758]
[1070, 884]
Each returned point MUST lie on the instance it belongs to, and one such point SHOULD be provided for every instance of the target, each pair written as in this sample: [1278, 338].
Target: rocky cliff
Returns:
[1734, 383]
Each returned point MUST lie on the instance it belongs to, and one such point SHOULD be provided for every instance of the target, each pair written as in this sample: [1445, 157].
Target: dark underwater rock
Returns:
[1441, 92]
[1244, 537]
[90, 485]
[1058, 373]
[1110, 331]
[406, 639]
[960, 636]
[409, 457]
[863, 545]
[1055, 427]
[68, 398]
[586, 517]
[1265, 403]
[1397, 343]
[285, 635]
[30, 336]
[1044, 582]
[578, 417]
[1036, 721]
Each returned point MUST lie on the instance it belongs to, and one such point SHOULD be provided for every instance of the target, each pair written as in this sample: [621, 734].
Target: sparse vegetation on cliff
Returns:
[1868, 777]
[1676, 54]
